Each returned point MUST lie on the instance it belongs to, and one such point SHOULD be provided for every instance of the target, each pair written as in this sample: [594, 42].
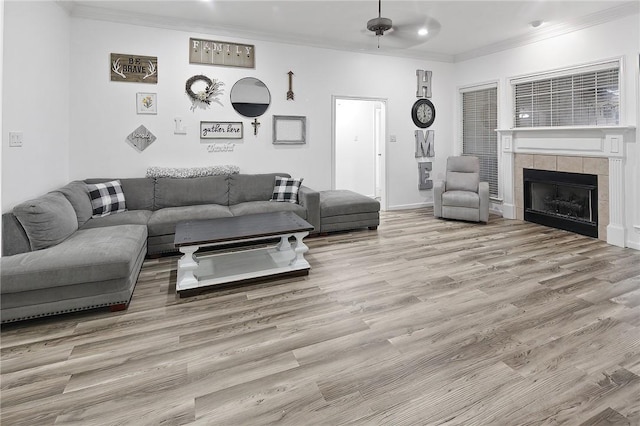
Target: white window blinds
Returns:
[479, 138]
[590, 98]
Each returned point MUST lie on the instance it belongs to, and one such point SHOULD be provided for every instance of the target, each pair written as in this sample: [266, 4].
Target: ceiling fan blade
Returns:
[409, 28]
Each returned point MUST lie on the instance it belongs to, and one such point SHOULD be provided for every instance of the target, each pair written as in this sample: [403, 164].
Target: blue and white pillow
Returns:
[286, 189]
[106, 198]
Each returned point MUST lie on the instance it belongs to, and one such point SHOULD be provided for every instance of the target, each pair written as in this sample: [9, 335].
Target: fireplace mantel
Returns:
[605, 142]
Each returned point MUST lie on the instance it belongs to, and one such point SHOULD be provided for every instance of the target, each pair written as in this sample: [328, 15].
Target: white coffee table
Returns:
[244, 263]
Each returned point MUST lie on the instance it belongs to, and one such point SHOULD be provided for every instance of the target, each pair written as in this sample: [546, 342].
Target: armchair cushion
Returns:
[461, 199]
[463, 174]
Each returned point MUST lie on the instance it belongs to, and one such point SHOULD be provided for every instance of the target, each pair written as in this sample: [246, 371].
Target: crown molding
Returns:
[66, 5]
[607, 15]
[109, 15]
[91, 12]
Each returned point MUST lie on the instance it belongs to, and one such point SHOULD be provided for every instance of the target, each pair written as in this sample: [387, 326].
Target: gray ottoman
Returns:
[342, 210]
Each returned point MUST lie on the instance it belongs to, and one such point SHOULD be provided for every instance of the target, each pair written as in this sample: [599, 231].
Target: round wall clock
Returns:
[423, 113]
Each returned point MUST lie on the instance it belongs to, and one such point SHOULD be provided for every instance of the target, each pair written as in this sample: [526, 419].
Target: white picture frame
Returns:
[146, 103]
[289, 129]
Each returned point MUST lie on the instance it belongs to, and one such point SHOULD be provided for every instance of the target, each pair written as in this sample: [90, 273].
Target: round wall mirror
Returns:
[250, 97]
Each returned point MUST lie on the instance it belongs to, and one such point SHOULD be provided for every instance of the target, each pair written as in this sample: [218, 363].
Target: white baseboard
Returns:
[409, 206]
[633, 245]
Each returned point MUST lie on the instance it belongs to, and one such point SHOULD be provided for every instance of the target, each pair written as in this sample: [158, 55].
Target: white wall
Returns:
[35, 100]
[103, 112]
[619, 38]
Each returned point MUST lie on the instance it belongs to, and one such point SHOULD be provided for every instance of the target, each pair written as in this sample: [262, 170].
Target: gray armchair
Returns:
[462, 196]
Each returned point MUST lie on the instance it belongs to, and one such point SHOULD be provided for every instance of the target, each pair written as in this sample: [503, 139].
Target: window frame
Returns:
[493, 84]
[617, 62]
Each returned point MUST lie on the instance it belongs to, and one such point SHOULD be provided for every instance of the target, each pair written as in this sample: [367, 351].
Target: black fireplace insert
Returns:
[562, 200]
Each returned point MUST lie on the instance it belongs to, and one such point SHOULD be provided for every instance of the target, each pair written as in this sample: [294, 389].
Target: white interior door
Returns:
[359, 146]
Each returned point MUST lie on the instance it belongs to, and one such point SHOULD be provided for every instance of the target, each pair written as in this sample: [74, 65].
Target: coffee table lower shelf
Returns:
[196, 272]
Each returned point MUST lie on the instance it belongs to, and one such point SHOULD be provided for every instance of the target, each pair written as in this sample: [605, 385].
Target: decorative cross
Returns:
[255, 125]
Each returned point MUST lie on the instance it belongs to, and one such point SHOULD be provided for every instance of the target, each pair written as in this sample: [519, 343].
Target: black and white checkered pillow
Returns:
[106, 198]
[286, 189]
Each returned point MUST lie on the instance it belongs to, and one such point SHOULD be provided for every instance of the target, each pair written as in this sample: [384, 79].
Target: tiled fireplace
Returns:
[599, 152]
[583, 166]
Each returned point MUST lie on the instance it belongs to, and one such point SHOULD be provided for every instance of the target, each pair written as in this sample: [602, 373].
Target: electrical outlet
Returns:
[392, 138]
[15, 139]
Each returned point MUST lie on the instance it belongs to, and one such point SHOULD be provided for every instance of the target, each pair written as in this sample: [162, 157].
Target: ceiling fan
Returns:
[407, 33]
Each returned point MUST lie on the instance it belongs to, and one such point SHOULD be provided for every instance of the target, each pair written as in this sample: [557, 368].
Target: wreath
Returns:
[210, 93]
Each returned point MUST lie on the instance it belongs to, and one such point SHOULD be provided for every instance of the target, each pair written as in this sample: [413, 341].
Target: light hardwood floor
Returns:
[422, 322]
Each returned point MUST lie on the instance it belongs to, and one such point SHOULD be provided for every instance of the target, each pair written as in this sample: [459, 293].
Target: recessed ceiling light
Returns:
[423, 31]
[535, 24]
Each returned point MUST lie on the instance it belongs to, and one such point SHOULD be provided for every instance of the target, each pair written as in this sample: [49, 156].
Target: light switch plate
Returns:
[15, 139]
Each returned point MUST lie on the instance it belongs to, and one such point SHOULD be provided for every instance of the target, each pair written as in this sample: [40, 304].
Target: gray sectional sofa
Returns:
[68, 260]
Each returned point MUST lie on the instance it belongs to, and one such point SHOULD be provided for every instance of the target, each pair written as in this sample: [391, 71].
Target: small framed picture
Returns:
[146, 103]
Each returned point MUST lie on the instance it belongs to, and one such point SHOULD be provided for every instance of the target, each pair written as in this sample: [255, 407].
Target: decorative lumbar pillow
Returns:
[47, 220]
[286, 189]
[190, 172]
[106, 198]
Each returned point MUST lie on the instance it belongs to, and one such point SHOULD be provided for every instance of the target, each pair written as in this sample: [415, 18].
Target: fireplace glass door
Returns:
[562, 200]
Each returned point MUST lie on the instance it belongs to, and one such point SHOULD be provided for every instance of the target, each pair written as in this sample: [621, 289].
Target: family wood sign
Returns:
[211, 52]
[134, 69]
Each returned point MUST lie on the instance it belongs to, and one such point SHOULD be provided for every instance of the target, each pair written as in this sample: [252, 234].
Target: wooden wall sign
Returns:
[211, 52]
[141, 138]
[134, 69]
[220, 130]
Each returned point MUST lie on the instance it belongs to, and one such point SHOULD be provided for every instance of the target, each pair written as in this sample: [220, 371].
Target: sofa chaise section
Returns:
[90, 269]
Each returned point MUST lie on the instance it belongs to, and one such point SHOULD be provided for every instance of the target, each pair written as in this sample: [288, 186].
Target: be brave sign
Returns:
[211, 52]
[134, 69]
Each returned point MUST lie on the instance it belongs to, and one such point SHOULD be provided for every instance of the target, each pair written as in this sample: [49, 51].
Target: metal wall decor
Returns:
[424, 84]
[141, 138]
[423, 172]
[423, 114]
[134, 68]
[212, 52]
[290, 92]
[424, 143]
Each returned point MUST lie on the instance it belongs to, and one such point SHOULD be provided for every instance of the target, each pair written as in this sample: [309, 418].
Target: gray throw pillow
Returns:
[47, 220]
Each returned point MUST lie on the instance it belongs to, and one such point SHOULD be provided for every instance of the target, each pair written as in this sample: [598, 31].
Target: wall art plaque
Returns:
[141, 138]
[212, 52]
[220, 130]
[134, 68]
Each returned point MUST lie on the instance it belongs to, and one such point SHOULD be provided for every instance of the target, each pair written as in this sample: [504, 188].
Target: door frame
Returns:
[382, 145]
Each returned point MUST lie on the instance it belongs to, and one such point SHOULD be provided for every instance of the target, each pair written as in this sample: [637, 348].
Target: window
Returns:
[479, 136]
[588, 96]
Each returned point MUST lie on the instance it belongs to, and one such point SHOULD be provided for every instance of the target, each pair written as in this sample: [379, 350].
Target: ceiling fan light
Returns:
[379, 25]
[423, 32]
